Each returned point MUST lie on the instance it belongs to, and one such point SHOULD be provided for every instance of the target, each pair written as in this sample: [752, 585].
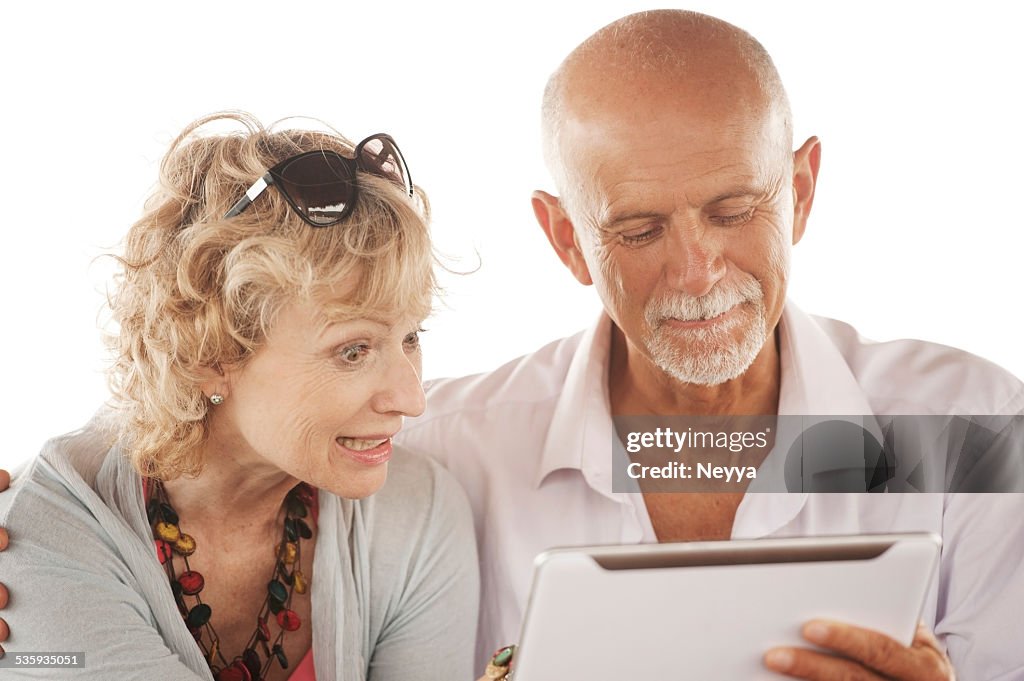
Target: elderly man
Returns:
[668, 134]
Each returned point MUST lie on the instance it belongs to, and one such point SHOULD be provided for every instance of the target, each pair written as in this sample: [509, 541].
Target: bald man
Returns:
[669, 138]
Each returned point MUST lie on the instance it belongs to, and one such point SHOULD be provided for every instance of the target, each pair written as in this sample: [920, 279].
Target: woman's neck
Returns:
[235, 495]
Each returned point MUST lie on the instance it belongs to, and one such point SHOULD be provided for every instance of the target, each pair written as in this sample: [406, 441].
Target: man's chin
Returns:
[705, 362]
[705, 376]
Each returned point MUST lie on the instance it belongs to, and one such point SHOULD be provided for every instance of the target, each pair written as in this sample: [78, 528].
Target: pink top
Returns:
[304, 672]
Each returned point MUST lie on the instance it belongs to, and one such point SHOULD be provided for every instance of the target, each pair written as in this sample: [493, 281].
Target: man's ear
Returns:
[806, 161]
[561, 234]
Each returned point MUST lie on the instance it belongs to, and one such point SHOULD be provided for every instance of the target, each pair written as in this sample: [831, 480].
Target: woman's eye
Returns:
[412, 340]
[354, 354]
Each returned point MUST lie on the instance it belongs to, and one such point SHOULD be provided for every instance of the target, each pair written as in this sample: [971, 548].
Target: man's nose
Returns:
[693, 262]
[402, 389]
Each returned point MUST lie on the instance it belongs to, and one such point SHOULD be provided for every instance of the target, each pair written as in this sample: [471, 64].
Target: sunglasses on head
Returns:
[321, 185]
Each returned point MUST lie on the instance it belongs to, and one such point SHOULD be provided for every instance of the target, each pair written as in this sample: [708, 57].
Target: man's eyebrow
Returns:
[617, 219]
[740, 193]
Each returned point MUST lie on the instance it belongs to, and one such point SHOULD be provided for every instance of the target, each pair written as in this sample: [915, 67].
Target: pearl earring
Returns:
[216, 398]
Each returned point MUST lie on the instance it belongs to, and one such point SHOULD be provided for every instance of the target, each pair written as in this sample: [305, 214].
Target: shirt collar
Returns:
[581, 425]
[816, 378]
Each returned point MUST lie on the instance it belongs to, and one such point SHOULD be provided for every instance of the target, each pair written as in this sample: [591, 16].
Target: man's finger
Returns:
[924, 637]
[806, 664]
[935, 658]
[4, 596]
[4, 539]
[4, 630]
[870, 648]
[5, 480]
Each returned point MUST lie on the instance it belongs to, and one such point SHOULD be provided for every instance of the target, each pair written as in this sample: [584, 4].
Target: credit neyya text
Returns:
[668, 439]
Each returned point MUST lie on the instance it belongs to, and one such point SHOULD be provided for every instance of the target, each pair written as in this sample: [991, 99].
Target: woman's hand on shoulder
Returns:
[5, 481]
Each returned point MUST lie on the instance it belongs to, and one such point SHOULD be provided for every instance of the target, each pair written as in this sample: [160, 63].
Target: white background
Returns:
[916, 232]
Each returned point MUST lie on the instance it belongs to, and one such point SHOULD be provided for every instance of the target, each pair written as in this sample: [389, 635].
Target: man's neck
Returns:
[637, 386]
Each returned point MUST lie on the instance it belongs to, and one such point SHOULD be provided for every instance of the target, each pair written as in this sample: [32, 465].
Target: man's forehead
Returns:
[647, 99]
[606, 151]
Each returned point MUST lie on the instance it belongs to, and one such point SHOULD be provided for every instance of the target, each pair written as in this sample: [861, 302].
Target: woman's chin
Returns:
[349, 484]
[353, 489]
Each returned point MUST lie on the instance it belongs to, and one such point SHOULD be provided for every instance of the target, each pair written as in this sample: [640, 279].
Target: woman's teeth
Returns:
[360, 445]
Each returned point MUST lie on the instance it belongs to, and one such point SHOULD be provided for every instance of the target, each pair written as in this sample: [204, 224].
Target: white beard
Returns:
[708, 356]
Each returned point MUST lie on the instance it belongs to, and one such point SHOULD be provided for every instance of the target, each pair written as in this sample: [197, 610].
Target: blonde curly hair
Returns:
[198, 291]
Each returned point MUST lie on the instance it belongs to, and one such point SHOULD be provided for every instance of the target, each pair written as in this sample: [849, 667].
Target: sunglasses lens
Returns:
[380, 155]
[321, 186]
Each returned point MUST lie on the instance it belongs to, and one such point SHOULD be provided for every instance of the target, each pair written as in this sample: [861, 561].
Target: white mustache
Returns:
[718, 301]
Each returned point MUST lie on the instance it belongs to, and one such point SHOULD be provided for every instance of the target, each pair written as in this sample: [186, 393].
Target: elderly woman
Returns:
[216, 522]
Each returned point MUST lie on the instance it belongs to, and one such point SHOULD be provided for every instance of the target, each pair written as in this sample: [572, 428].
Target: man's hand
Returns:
[5, 481]
[865, 655]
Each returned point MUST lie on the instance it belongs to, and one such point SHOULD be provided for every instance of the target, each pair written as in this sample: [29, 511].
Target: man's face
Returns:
[685, 223]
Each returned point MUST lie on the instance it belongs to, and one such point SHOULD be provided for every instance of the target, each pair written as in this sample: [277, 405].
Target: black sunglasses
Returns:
[321, 185]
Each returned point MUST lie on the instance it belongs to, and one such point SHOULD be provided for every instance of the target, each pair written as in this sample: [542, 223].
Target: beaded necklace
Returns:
[285, 580]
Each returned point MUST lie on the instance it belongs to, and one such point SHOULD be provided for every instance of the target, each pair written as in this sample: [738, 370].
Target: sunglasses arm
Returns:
[257, 188]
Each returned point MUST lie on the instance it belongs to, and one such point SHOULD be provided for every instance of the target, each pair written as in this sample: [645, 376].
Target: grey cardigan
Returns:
[395, 583]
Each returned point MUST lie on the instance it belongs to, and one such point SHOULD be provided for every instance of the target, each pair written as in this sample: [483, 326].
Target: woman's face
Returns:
[321, 400]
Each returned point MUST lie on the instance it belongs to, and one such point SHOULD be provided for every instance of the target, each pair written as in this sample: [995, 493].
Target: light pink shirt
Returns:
[530, 443]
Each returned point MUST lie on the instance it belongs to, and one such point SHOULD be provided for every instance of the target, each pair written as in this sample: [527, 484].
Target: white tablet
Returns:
[710, 610]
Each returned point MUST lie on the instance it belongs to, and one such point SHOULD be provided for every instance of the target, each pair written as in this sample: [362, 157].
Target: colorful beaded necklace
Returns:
[286, 579]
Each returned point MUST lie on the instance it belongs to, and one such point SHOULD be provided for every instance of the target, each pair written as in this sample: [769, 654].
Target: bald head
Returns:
[665, 58]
